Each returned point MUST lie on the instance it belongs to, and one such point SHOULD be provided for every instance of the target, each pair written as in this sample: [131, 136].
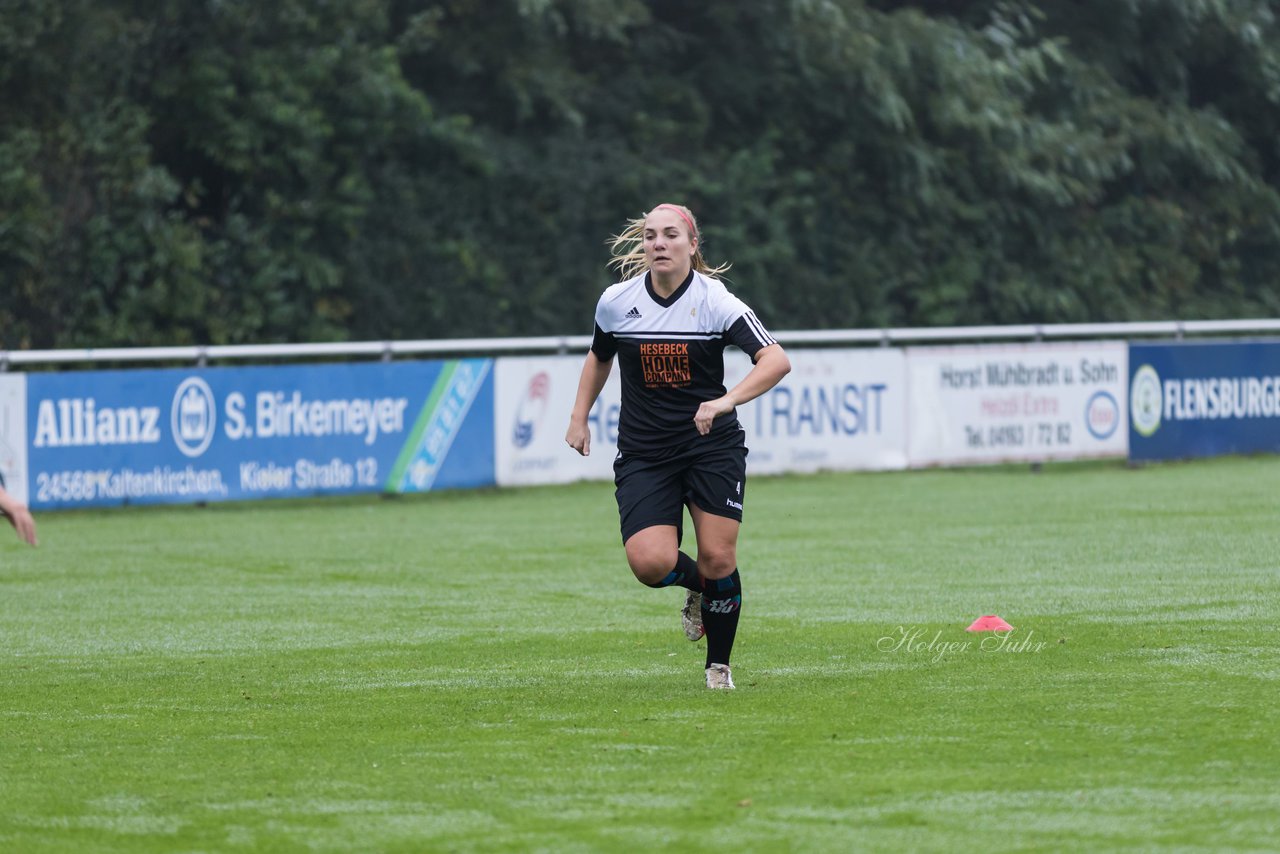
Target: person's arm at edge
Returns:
[595, 374]
[19, 517]
[771, 365]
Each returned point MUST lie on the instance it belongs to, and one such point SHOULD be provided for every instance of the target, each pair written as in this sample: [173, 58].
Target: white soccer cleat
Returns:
[719, 678]
[691, 616]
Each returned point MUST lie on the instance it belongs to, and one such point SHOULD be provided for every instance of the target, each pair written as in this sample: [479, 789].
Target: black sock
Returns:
[721, 605]
[685, 574]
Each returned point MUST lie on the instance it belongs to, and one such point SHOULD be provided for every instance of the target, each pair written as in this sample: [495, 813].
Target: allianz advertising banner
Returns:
[1016, 402]
[837, 409]
[1201, 399]
[182, 435]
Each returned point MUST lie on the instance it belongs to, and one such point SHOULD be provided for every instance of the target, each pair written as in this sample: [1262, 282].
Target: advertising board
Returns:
[183, 435]
[1016, 402]
[13, 435]
[837, 409]
[1204, 398]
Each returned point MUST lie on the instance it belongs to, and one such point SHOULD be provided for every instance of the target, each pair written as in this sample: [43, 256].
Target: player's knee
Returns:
[649, 573]
[650, 565]
[717, 563]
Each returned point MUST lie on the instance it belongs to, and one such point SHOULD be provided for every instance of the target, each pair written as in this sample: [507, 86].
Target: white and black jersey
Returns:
[671, 356]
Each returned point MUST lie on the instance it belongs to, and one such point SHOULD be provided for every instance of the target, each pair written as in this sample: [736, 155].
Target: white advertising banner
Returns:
[1017, 402]
[13, 434]
[837, 409]
[533, 397]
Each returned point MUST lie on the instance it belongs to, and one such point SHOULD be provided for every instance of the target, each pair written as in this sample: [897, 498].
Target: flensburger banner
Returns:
[1017, 402]
[837, 409]
[1200, 399]
[175, 436]
[13, 435]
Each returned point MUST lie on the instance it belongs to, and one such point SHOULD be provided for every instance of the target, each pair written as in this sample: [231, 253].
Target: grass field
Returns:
[478, 671]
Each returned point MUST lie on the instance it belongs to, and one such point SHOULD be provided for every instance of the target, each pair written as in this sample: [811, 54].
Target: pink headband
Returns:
[692, 229]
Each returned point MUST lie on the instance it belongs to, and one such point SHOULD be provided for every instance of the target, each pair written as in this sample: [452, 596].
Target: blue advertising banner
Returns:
[178, 436]
[1202, 399]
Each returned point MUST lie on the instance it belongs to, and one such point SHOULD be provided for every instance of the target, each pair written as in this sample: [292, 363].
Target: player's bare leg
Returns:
[656, 560]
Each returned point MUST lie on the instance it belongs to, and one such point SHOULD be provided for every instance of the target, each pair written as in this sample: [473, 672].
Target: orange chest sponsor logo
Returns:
[665, 364]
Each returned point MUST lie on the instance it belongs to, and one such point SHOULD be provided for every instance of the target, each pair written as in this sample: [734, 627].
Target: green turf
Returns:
[478, 671]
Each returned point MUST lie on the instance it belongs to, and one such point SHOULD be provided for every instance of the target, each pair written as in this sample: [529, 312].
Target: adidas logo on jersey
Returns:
[634, 314]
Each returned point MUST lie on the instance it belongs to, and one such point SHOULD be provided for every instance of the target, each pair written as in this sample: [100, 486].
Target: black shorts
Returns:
[655, 492]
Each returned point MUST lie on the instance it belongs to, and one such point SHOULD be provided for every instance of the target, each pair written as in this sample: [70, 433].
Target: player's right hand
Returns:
[579, 438]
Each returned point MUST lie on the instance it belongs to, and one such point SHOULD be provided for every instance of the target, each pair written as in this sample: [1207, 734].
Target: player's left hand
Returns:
[709, 411]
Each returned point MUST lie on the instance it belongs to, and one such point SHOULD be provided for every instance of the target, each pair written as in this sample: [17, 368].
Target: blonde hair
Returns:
[627, 247]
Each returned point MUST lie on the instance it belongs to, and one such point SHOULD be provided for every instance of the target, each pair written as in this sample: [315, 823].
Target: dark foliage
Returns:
[228, 171]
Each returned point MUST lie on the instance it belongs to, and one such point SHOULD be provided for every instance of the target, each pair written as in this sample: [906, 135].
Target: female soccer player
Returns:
[679, 441]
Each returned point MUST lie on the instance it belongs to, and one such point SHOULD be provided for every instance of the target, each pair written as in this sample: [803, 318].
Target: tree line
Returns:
[229, 171]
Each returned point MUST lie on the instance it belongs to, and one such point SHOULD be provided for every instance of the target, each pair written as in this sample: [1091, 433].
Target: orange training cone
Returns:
[989, 623]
